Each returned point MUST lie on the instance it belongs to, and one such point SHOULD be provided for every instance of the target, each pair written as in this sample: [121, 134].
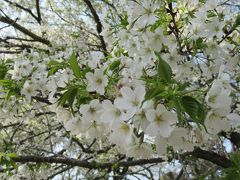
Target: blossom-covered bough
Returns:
[119, 89]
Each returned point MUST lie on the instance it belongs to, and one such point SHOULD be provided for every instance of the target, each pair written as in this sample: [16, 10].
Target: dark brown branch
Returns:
[20, 46]
[84, 164]
[45, 113]
[66, 161]
[98, 23]
[41, 99]
[88, 150]
[25, 31]
[19, 39]
[212, 157]
[36, 135]
[9, 125]
[179, 175]
[59, 172]
[227, 34]
[174, 28]
[198, 153]
[38, 18]
[4, 27]
[10, 52]
[234, 137]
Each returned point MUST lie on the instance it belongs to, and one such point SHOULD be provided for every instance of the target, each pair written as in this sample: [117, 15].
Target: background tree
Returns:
[119, 89]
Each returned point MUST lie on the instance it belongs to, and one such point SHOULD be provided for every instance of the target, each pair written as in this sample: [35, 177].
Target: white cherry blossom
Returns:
[215, 123]
[91, 112]
[179, 140]
[75, 126]
[161, 121]
[97, 81]
[130, 100]
[121, 135]
[29, 90]
[111, 114]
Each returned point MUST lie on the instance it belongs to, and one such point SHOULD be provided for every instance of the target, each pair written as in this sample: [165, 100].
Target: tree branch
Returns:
[19, 39]
[88, 150]
[98, 23]
[9, 125]
[25, 31]
[84, 164]
[234, 137]
[38, 18]
[42, 100]
[212, 157]
[10, 52]
[59, 172]
[198, 153]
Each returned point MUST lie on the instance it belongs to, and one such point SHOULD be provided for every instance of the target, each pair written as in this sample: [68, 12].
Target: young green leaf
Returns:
[69, 96]
[164, 70]
[124, 21]
[193, 108]
[237, 22]
[152, 93]
[74, 66]
[3, 71]
[53, 63]
[114, 65]
[12, 155]
[53, 70]
[54, 66]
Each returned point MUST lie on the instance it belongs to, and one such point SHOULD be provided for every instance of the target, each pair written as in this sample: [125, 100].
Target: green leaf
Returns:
[53, 70]
[233, 172]
[74, 66]
[178, 107]
[114, 65]
[11, 87]
[69, 96]
[237, 22]
[199, 44]
[6, 83]
[235, 160]
[12, 155]
[183, 86]
[211, 14]
[53, 63]
[9, 94]
[124, 21]
[3, 71]
[152, 93]
[86, 70]
[55, 66]
[164, 70]
[193, 108]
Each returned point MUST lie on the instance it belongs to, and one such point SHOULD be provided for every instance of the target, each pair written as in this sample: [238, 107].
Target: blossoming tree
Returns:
[119, 89]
